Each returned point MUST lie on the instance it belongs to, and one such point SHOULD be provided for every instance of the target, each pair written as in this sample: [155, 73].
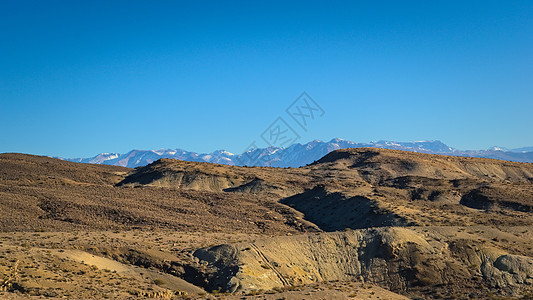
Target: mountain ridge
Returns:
[297, 155]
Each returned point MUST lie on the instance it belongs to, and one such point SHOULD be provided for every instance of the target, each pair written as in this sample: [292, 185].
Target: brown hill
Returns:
[449, 226]
[46, 194]
[358, 188]
[378, 165]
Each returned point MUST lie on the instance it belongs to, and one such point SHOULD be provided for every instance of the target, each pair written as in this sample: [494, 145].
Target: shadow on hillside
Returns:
[335, 211]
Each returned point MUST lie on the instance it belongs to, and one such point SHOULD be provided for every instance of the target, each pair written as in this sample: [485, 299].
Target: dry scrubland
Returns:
[359, 223]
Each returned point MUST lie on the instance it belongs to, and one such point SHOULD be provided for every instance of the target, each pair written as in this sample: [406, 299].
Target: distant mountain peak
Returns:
[296, 155]
[497, 148]
[336, 140]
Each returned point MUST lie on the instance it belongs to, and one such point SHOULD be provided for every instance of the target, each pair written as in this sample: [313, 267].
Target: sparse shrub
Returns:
[426, 281]
[255, 292]
[159, 281]
[527, 297]
[8, 282]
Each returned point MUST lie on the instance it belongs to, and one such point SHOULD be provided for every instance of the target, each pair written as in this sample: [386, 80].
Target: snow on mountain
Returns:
[98, 159]
[296, 155]
[497, 148]
[522, 150]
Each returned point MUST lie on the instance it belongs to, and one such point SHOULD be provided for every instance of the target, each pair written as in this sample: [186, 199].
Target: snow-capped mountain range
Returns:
[296, 155]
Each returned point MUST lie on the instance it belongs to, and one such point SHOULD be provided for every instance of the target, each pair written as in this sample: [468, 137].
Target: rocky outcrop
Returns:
[398, 259]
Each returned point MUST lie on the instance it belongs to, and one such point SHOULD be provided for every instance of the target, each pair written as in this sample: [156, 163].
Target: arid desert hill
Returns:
[397, 222]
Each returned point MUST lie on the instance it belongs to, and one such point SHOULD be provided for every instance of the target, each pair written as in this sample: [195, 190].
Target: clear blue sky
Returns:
[82, 77]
